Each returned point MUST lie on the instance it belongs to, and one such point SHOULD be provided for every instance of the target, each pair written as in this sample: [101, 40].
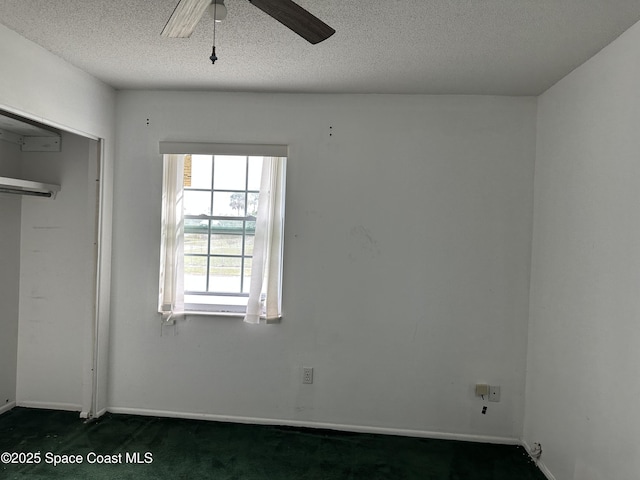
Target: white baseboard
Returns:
[71, 407]
[7, 407]
[540, 464]
[317, 425]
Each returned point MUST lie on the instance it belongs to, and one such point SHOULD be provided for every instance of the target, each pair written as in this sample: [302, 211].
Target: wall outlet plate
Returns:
[494, 393]
[307, 374]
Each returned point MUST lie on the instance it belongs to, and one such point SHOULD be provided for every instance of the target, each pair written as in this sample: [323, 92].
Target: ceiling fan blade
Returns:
[293, 16]
[184, 18]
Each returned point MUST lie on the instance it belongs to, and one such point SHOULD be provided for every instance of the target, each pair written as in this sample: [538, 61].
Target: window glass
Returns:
[224, 274]
[201, 170]
[197, 203]
[195, 273]
[230, 172]
[255, 172]
[224, 244]
[229, 204]
[247, 276]
[195, 236]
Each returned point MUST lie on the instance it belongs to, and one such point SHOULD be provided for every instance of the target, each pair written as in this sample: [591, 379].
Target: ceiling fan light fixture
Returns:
[187, 13]
[218, 10]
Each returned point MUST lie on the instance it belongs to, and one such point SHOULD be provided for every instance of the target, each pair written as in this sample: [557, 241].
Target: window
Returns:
[221, 195]
[223, 217]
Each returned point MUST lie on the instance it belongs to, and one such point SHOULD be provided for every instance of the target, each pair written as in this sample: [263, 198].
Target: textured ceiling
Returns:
[504, 47]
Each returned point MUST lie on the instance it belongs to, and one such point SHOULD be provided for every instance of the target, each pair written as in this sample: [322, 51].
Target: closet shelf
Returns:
[27, 187]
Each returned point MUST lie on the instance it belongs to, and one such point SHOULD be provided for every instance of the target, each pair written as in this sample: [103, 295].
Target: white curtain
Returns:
[266, 267]
[171, 298]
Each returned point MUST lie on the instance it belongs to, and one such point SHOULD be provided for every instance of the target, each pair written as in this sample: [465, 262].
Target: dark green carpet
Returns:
[191, 449]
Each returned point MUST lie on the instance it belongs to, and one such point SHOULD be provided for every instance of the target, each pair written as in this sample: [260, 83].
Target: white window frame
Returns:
[265, 293]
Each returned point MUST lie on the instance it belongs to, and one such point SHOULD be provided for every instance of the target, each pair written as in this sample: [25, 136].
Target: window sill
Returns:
[232, 315]
[214, 314]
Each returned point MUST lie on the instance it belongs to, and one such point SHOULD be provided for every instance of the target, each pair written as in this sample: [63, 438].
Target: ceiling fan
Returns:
[188, 13]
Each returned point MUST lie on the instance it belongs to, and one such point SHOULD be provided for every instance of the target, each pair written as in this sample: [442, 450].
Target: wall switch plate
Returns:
[482, 390]
[494, 393]
[307, 374]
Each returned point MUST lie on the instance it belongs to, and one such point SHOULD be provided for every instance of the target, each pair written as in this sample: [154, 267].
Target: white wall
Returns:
[39, 85]
[583, 380]
[406, 263]
[57, 276]
[9, 279]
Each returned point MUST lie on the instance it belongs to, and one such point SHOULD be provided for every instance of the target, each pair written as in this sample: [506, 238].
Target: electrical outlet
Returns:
[494, 393]
[307, 374]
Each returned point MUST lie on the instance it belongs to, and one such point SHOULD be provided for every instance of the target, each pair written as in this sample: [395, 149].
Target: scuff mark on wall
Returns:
[363, 245]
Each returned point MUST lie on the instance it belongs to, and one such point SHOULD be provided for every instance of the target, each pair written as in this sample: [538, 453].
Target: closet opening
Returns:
[49, 209]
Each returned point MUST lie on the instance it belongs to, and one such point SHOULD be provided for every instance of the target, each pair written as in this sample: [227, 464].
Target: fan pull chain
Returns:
[213, 56]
